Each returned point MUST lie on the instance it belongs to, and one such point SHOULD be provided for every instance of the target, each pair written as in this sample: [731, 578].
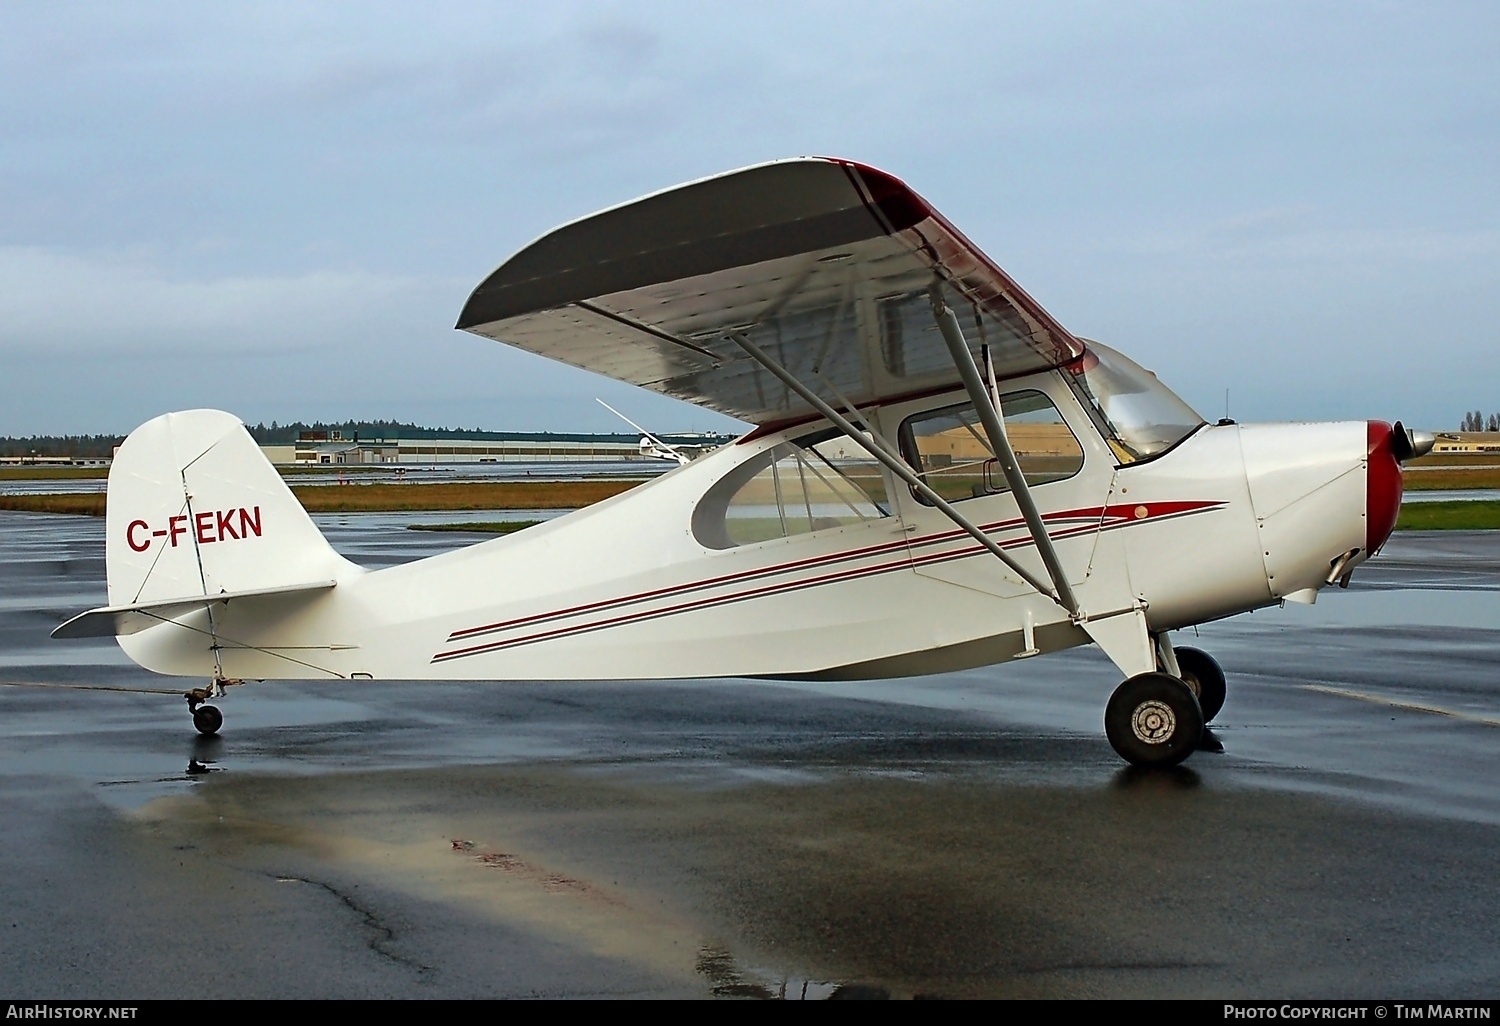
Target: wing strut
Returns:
[890, 461]
[986, 403]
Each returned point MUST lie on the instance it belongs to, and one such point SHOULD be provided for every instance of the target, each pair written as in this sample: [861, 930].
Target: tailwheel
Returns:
[1203, 675]
[1153, 719]
[208, 719]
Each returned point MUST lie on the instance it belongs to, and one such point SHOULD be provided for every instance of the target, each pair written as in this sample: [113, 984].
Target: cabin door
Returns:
[946, 444]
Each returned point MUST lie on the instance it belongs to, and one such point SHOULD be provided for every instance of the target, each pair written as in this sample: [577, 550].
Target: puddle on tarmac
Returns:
[727, 979]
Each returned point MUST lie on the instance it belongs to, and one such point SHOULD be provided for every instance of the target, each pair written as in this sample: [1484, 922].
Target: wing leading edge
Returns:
[827, 264]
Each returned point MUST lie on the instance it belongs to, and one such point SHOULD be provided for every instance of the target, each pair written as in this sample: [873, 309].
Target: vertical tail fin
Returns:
[195, 508]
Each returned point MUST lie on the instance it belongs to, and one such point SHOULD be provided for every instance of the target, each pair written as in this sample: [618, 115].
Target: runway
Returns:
[966, 835]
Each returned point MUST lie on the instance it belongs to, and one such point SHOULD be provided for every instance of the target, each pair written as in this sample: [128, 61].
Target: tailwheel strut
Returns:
[207, 719]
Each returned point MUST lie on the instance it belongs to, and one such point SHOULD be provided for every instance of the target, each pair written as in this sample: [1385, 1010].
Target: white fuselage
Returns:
[1230, 519]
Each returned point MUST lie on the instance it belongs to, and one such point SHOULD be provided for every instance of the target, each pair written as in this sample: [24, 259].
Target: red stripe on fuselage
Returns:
[1094, 519]
[1093, 515]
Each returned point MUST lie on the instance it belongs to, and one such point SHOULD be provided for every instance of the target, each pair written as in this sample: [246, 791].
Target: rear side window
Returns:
[950, 452]
[816, 482]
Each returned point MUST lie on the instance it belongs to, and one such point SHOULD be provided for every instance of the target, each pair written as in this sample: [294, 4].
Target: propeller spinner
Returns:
[1407, 444]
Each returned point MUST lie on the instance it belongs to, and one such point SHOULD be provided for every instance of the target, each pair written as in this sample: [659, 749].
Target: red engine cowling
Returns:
[1382, 486]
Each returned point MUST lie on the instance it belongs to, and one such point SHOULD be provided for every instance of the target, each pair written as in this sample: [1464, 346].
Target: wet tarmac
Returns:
[963, 835]
[1453, 494]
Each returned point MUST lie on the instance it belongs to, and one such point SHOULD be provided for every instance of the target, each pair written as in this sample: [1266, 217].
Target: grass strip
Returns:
[1454, 459]
[51, 473]
[1446, 479]
[396, 498]
[382, 498]
[88, 504]
[1452, 515]
[479, 527]
[347, 469]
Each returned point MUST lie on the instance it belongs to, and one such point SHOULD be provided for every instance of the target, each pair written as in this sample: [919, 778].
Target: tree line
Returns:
[93, 446]
[1477, 421]
[60, 445]
[282, 434]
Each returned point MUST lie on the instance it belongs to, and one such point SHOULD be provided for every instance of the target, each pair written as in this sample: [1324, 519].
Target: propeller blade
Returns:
[1401, 446]
[1407, 444]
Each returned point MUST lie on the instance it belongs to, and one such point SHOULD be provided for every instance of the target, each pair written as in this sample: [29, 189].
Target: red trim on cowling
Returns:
[1382, 485]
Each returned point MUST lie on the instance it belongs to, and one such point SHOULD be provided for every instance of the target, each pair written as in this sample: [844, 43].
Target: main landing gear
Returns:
[1156, 719]
[1201, 673]
[207, 718]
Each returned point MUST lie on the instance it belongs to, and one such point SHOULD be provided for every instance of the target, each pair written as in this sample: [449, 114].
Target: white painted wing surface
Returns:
[825, 264]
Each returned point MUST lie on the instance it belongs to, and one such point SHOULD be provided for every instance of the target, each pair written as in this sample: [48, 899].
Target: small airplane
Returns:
[940, 477]
[655, 448]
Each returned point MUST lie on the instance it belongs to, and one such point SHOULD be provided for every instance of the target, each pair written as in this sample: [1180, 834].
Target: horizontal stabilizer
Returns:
[115, 621]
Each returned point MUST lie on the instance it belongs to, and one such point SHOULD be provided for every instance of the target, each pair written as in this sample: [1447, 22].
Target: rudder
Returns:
[195, 508]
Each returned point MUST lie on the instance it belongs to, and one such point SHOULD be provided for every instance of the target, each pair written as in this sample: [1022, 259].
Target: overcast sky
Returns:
[279, 209]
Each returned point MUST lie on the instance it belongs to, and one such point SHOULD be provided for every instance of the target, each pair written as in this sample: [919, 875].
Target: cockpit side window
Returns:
[812, 483]
[951, 453]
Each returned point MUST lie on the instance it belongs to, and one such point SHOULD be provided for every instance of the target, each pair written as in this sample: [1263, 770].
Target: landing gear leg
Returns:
[1153, 719]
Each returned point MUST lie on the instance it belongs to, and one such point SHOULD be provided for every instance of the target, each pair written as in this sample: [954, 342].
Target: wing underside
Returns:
[824, 264]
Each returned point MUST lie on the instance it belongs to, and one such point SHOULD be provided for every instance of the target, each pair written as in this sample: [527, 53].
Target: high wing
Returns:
[825, 264]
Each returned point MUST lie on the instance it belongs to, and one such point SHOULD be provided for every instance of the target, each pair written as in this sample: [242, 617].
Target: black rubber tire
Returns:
[1203, 674]
[208, 719]
[1153, 720]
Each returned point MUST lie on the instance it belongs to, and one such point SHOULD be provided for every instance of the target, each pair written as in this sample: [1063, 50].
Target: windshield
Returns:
[1139, 415]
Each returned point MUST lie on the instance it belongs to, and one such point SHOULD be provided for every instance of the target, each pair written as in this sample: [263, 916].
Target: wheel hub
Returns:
[1153, 722]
